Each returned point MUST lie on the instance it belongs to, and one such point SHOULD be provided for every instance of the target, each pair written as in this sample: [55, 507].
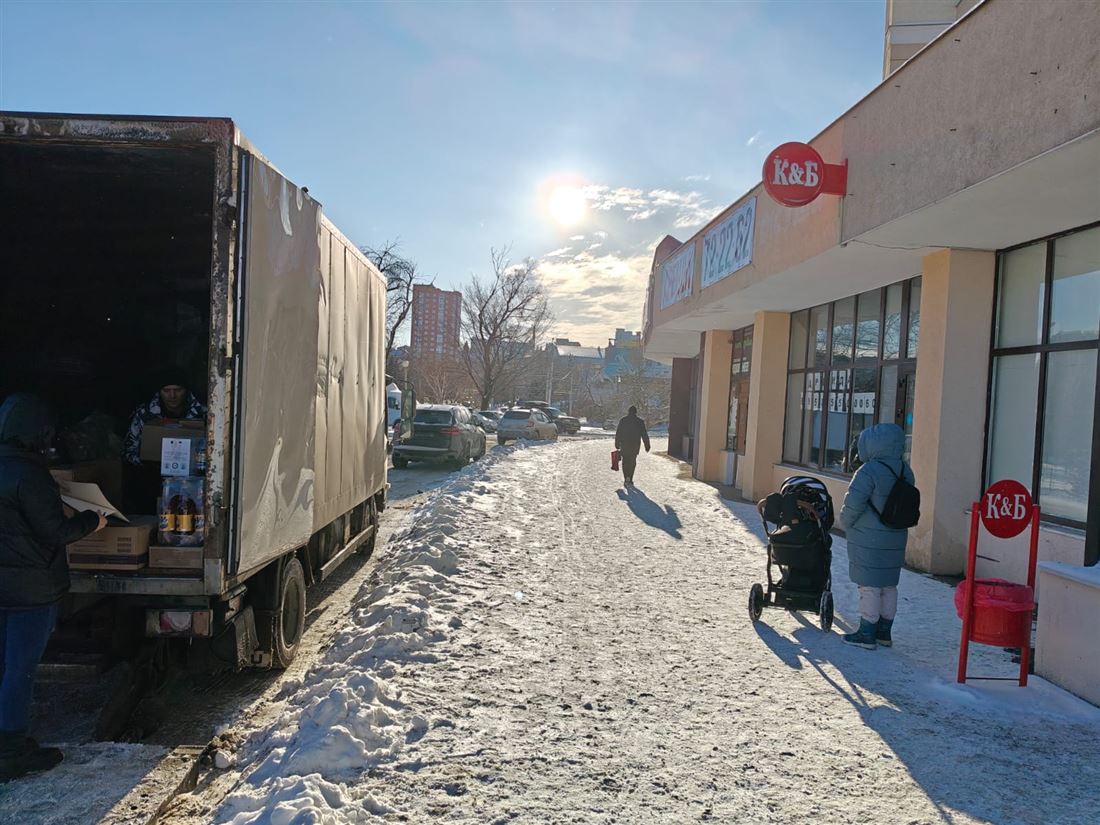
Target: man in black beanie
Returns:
[173, 400]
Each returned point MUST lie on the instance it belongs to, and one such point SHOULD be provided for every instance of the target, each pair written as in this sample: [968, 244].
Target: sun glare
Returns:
[567, 205]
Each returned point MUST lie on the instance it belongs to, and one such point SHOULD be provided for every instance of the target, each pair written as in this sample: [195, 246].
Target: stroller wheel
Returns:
[825, 610]
[756, 602]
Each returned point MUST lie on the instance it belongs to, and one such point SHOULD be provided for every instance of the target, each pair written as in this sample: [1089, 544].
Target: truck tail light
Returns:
[451, 431]
[178, 622]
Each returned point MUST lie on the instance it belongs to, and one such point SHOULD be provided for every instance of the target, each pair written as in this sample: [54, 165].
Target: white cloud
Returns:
[600, 233]
[685, 208]
[577, 238]
[591, 295]
[752, 141]
[697, 178]
[557, 253]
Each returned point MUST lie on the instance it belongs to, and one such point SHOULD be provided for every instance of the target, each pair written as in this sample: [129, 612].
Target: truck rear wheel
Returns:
[290, 615]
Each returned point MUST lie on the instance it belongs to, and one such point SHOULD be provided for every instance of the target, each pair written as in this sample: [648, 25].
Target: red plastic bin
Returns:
[1002, 612]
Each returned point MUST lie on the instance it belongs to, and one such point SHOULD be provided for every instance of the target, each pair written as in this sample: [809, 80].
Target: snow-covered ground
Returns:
[542, 646]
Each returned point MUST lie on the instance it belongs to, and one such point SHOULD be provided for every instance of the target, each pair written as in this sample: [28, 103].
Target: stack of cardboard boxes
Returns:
[180, 447]
[174, 538]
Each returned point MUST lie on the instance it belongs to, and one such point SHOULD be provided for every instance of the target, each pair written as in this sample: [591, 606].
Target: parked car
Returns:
[611, 424]
[491, 415]
[441, 432]
[565, 423]
[486, 424]
[527, 423]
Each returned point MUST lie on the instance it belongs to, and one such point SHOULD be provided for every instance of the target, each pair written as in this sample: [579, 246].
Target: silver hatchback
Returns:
[532, 424]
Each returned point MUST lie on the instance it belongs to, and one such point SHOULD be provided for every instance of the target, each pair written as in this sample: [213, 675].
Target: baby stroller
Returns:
[800, 546]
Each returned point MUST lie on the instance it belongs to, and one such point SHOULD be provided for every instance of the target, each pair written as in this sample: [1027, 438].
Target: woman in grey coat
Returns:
[876, 552]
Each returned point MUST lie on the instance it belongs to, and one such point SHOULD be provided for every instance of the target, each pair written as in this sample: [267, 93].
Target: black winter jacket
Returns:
[34, 531]
[631, 434]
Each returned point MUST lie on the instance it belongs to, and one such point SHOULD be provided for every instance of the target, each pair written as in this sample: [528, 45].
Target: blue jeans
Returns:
[23, 636]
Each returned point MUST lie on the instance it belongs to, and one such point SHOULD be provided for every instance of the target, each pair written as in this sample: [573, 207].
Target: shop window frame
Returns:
[740, 356]
[904, 359]
[1044, 349]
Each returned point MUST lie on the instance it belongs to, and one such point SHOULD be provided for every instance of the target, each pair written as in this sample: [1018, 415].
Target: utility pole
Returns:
[550, 377]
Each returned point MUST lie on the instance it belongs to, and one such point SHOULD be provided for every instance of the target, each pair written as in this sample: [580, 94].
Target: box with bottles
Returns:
[182, 517]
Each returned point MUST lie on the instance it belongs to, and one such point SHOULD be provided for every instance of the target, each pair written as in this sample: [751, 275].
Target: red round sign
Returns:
[794, 174]
[1006, 509]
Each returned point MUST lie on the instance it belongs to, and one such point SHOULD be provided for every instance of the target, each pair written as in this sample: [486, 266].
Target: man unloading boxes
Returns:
[173, 401]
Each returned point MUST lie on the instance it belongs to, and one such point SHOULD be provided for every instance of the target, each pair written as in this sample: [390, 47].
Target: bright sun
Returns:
[567, 205]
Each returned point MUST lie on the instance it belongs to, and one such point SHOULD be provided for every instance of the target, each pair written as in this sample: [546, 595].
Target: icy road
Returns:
[538, 645]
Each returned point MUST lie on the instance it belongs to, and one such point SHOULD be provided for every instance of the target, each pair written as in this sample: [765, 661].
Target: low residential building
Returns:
[951, 286]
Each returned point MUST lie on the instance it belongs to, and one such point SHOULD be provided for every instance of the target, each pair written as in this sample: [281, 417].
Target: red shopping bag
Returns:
[614, 459]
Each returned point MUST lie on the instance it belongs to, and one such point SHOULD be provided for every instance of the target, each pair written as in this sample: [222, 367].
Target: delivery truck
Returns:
[132, 243]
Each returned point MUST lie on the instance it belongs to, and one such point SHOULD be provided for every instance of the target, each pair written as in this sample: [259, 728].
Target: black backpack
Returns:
[902, 509]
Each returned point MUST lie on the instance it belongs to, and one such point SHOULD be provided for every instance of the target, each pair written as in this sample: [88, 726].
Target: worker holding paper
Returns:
[34, 572]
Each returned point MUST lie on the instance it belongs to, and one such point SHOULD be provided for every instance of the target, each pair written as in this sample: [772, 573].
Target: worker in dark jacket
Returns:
[34, 573]
[629, 437]
[173, 400]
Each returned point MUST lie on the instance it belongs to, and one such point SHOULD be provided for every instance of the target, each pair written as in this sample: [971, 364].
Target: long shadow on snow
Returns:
[948, 749]
[651, 512]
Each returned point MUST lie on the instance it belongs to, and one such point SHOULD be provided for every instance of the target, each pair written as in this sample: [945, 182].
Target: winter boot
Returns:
[20, 755]
[864, 637]
[882, 632]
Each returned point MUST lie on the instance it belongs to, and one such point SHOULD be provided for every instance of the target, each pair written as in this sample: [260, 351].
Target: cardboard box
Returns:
[122, 547]
[156, 431]
[177, 558]
[107, 473]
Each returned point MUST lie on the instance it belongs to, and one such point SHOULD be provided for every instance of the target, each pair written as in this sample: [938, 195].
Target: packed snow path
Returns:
[542, 646]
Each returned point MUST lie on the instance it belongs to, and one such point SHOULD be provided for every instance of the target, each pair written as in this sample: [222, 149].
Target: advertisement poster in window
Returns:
[728, 246]
[676, 276]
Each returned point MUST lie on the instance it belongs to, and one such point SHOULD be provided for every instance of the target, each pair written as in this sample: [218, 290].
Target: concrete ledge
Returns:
[1088, 576]
[1067, 650]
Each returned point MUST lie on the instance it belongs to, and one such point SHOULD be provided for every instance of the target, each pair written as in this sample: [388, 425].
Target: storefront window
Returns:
[1019, 317]
[737, 413]
[891, 347]
[1067, 433]
[1015, 388]
[828, 403]
[869, 325]
[1042, 412]
[844, 319]
[914, 318]
[1075, 306]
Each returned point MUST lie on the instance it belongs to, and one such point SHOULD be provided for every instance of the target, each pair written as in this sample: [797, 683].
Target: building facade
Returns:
[436, 322]
[954, 288]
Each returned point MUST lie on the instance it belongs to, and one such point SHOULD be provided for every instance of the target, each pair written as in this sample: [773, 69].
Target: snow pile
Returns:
[347, 718]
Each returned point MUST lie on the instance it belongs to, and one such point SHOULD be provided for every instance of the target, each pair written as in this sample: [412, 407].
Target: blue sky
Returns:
[446, 125]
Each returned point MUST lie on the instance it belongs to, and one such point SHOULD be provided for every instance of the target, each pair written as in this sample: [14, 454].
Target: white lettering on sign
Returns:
[728, 246]
[1002, 506]
[786, 173]
[677, 274]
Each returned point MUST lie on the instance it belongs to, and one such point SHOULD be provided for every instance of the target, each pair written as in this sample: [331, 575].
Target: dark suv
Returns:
[441, 432]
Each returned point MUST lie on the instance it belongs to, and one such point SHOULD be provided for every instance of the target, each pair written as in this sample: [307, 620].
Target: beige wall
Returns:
[1066, 650]
[949, 404]
[1012, 80]
[767, 400]
[710, 440]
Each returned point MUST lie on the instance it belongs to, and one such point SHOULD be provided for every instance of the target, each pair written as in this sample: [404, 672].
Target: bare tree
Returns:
[638, 387]
[504, 318]
[401, 276]
[440, 379]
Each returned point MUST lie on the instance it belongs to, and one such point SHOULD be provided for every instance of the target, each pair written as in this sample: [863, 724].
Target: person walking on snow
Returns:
[629, 437]
[875, 552]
